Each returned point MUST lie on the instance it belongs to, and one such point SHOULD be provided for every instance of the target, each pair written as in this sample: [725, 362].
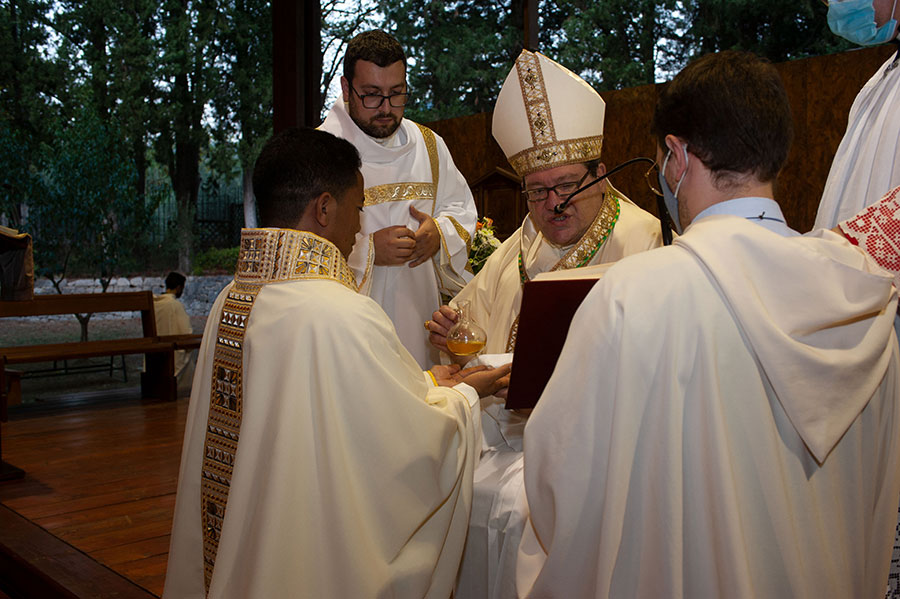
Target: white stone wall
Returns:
[199, 292]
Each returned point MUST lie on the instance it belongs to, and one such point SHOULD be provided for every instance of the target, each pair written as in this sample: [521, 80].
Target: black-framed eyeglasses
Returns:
[562, 190]
[376, 100]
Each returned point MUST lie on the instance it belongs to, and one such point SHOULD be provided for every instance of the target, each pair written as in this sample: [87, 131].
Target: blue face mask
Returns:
[671, 198]
[854, 20]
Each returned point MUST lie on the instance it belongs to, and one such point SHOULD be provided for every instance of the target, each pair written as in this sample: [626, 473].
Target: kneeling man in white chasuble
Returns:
[319, 460]
[723, 419]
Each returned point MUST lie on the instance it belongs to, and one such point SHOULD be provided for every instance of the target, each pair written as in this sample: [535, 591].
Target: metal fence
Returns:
[217, 223]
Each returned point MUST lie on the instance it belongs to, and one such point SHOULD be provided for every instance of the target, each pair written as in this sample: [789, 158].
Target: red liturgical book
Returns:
[547, 309]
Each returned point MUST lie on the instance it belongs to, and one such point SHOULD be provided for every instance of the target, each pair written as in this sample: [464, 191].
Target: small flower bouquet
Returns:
[483, 245]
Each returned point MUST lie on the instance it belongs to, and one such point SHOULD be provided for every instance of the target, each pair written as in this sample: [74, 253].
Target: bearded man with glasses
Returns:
[419, 214]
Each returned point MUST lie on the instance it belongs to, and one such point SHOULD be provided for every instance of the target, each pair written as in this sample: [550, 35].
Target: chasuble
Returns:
[318, 460]
[723, 422]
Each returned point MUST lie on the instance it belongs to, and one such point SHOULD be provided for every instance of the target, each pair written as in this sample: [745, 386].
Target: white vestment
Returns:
[867, 163]
[499, 510]
[352, 474]
[398, 175]
[172, 319]
[722, 422]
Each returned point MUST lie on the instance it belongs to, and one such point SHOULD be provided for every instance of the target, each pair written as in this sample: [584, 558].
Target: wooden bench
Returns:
[157, 380]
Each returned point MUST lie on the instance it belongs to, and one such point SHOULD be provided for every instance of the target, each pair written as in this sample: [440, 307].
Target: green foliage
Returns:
[20, 181]
[90, 210]
[341, 21]
[216, 260]
[772, 28]
[613, 44]
[459, 53]
[88, 87]
[30, 80]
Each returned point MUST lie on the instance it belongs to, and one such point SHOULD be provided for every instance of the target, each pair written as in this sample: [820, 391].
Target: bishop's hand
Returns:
[442, 320]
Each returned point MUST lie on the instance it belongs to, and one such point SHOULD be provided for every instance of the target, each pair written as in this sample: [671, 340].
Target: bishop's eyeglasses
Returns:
[376, 100]
[562, 190]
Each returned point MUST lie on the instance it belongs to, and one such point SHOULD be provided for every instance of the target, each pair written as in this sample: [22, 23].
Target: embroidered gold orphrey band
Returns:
[462, 233]
[266, 255]
[534, 93]
[448, 270]
[557, 153]
[583, 251]
[431, 147]
[546, 150]
[398, 192]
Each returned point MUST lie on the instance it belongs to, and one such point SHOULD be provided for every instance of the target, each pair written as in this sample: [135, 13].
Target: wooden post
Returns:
[296, 63]
[530, 20]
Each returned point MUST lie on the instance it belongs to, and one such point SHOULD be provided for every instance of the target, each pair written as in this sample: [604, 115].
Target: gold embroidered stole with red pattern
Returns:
[266, 255]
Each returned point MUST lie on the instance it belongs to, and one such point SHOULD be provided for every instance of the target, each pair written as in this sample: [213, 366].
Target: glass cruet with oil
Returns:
[465, 338]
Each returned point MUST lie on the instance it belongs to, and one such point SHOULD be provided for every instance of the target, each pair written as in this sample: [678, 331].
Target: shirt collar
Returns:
[763, 211]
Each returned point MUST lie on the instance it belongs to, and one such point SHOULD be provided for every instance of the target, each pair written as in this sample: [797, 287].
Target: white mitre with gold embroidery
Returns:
[547, 116]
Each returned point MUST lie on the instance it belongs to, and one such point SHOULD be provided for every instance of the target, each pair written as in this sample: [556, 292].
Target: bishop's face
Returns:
[566, 228]
[369, 78]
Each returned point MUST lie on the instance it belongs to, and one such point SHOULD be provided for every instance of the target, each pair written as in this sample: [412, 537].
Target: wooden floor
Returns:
[101, 477]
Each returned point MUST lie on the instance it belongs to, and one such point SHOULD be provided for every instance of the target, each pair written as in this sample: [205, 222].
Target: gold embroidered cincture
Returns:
[266, 255]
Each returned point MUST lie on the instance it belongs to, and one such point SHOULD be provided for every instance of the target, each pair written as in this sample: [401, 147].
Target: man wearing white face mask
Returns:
[867, 163]
[724, 418]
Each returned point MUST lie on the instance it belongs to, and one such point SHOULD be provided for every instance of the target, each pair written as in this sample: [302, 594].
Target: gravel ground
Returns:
[57, 386]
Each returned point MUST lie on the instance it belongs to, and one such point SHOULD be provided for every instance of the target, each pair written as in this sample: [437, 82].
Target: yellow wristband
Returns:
[433, 380]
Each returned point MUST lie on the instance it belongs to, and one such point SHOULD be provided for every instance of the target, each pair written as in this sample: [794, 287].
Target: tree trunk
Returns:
[83, 320]
[249, 200]
[184, 228]
[139, 147]
[186, 178]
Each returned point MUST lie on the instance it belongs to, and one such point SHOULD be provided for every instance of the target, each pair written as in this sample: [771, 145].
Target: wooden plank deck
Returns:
[101, 477]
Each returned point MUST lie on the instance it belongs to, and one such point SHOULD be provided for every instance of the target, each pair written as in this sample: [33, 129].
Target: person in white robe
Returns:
[172, 319]
[319, 460]
[723, 418]
[419, 216]
[867, 162]
[549, 123]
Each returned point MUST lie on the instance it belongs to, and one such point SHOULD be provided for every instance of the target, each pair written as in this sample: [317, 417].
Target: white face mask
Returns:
[854, 20]
[670, 197]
